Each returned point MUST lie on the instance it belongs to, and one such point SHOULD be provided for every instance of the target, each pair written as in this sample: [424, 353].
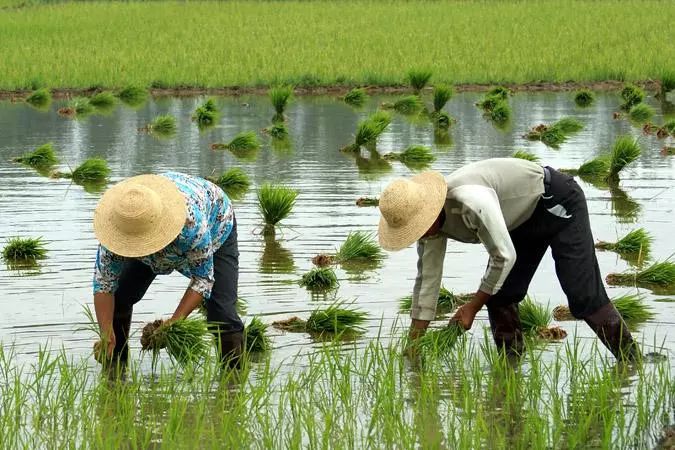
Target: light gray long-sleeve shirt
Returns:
[485, 200]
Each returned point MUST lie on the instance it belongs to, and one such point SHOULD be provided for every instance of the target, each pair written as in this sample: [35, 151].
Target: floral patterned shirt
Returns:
[209, 222]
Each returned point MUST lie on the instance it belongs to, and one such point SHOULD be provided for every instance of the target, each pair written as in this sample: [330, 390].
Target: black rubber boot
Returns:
[231, 349]
[610, 327]
[507, 330]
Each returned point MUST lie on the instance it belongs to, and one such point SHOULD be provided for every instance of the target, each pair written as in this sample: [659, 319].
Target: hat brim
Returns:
[435, 192]
[158, 236]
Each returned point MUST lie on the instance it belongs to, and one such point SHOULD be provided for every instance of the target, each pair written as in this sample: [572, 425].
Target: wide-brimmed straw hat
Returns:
[409, 207]
[140, 215]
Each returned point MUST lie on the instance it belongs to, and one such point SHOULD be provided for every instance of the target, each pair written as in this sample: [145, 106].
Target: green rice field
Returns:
[239, 43]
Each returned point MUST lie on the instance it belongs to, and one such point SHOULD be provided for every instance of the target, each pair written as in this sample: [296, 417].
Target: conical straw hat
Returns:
[409, 207]
[140, 215]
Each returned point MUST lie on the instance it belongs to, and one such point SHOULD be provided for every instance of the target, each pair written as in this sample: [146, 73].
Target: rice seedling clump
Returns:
[336, 319]
[92, 169]
[275, 203]
[418, 79]
[234, 182]
[323, 260]
[132, 95]
[102, 100]
[495, 105]
[280, 97]
[669, 127]
[367, 201]
[18, 250]
[257, 339]
[414, 156]
[533, 315]
[163, 125]
[631, 95]
[206, 114]
[319, 279]
[42, 157]
[658, 274]
[555, 134]
[633, 309]
[584, 98]
[292, 324]
[410, 104]
[187, 341]
[635, 242]
[499, 92]
[439, 341]
[369, 130]
[246, 141]
[522, 154]
[641, 113]
[81, 106]
[356, 97]
[40, 98]
[626, 150]
[359, 246]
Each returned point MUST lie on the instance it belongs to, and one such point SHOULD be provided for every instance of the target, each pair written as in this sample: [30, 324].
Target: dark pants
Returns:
[136, 277]
[560, 221]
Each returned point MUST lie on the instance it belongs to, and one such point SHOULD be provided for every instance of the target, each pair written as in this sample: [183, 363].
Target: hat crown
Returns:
[138, 210]
[400, 202]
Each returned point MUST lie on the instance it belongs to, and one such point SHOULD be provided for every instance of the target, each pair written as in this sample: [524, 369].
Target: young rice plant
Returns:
[41, 158]
[24, 250]
[275, 203]
[319, 279]
[234, 182]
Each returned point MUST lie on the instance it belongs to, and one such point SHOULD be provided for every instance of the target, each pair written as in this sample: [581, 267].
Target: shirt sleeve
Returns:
[107, 271]
[484, 215]
[430, 257]
[200, 258]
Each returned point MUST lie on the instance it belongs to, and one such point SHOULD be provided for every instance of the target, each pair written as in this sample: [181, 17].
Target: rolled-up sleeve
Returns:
[430, 257]
[200, 259]
[107, 271]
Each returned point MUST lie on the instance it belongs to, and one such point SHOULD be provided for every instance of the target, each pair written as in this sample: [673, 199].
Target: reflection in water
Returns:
[275, 258]
[624, 207]
[373, 167]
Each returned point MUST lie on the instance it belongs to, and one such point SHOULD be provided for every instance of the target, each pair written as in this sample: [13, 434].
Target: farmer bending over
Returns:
[155, 224]
[517, 209]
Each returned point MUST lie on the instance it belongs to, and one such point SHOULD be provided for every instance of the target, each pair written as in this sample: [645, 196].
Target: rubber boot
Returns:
[231, 349]
[507, 330]
[610, 327]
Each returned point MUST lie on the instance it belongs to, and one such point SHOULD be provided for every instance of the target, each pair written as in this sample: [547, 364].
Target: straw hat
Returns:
[409, 208]
[140, 215]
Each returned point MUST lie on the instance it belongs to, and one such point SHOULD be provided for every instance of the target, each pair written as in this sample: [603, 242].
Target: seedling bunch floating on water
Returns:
[441, 119]
[277, 131]
[257, 339]
[42, 157]
[319, 279]
[495, 105]
[92, 170]
[206, 114]
[79, 106]
[418, 79]
[367, 201]
[102, 101]
[584, 98]
[415, 156]
[522, 154]
[626, 150]
[335, 319]
[187, 341]
[356, 97]
[408, 105]
[660, 274]
[555, 134]
[24, 250]
[637, 242]
[662, 132]
[163, 125]
[631, 95]
[641, 113]
[40, 98]
[369, 130]
[359, 247]
[275, 203]
[234, 182]
[280, 96]
[243, 146]
[633, 308]
[133, 95]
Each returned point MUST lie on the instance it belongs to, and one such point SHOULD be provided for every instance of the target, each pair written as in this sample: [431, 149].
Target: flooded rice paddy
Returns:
[44, 307]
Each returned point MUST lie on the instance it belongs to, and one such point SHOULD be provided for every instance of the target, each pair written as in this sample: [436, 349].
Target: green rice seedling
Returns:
[356, 97]
[441, 121]
[163, 125]
[369, 130]
[280, 96]
[569, 125]
[206, 114]
[319, 279]
[669, 127]
[500, 113]
[416, 156]
[641, 113]
[626, 150]
[277, 131]
[91, 170]
[667, 82]
[293, 324]
[133, 95]
[555, 134]
[638, 241]
[367, 201]
[233, 181]
[42, 157]
[553, 137]
[533, 315]
[418, 79]
[24, 250]
[447, 302]
[245, 141]
[102, 100]
[499, 92]
[257, 339]
[187, 341]
[359, 246]
[631, 95]
[442, 94]
[522, 154]
[584, 98]
[658, 274]
[440, 341]
[275, 203]
[410, 104]
[336, 318]
[594, 169]
[81, 106]
[40, 98]
[489, 102]
[633, 308]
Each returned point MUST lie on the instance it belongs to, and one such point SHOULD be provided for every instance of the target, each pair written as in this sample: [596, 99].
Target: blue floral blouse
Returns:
[208, 224]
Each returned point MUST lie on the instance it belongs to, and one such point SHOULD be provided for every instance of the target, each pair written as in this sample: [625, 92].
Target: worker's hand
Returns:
[465, 315]
[102, 354]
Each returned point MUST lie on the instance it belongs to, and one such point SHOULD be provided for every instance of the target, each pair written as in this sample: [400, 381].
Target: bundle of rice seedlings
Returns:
[102, 100]
[442, 94]
[488, 103]
[522, 154]
[415, 156]
[187, 341]
[243, 146]
[163, 125]
[626, 149]
[91, 170]
[631, 95]
[667, 82]
[658, 274]
[405, 105]
[551, 333]
[40, 98]
[66, 111]
[418, 79]
[636, 242]
[81, 106]
[42, 157]
[669, 127]
[584, 98]
[356, 97]
[275, 203]
[533, 316]
[206, 114]
[594, 169]
[233, 181]
[447, 301]
[633, 309]
[257, 339]
[441, 120]
[569, 125]
[499, 92]
[280, 96]
[24, 250]
[367, 201]
[292, 324]
[132, 95]
[500, 113]
[323, 260]
[336, 319]
[641, 113]
[439, 341]
[277, 131]
[319, 279]
[562, 313]
[359, 246]
[555, 134]
[369, 130]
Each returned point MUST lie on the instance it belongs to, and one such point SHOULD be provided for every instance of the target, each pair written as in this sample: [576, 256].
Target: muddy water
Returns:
[45, 308]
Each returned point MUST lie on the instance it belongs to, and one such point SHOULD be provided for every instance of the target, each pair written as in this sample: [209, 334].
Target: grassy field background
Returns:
[218, 44]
